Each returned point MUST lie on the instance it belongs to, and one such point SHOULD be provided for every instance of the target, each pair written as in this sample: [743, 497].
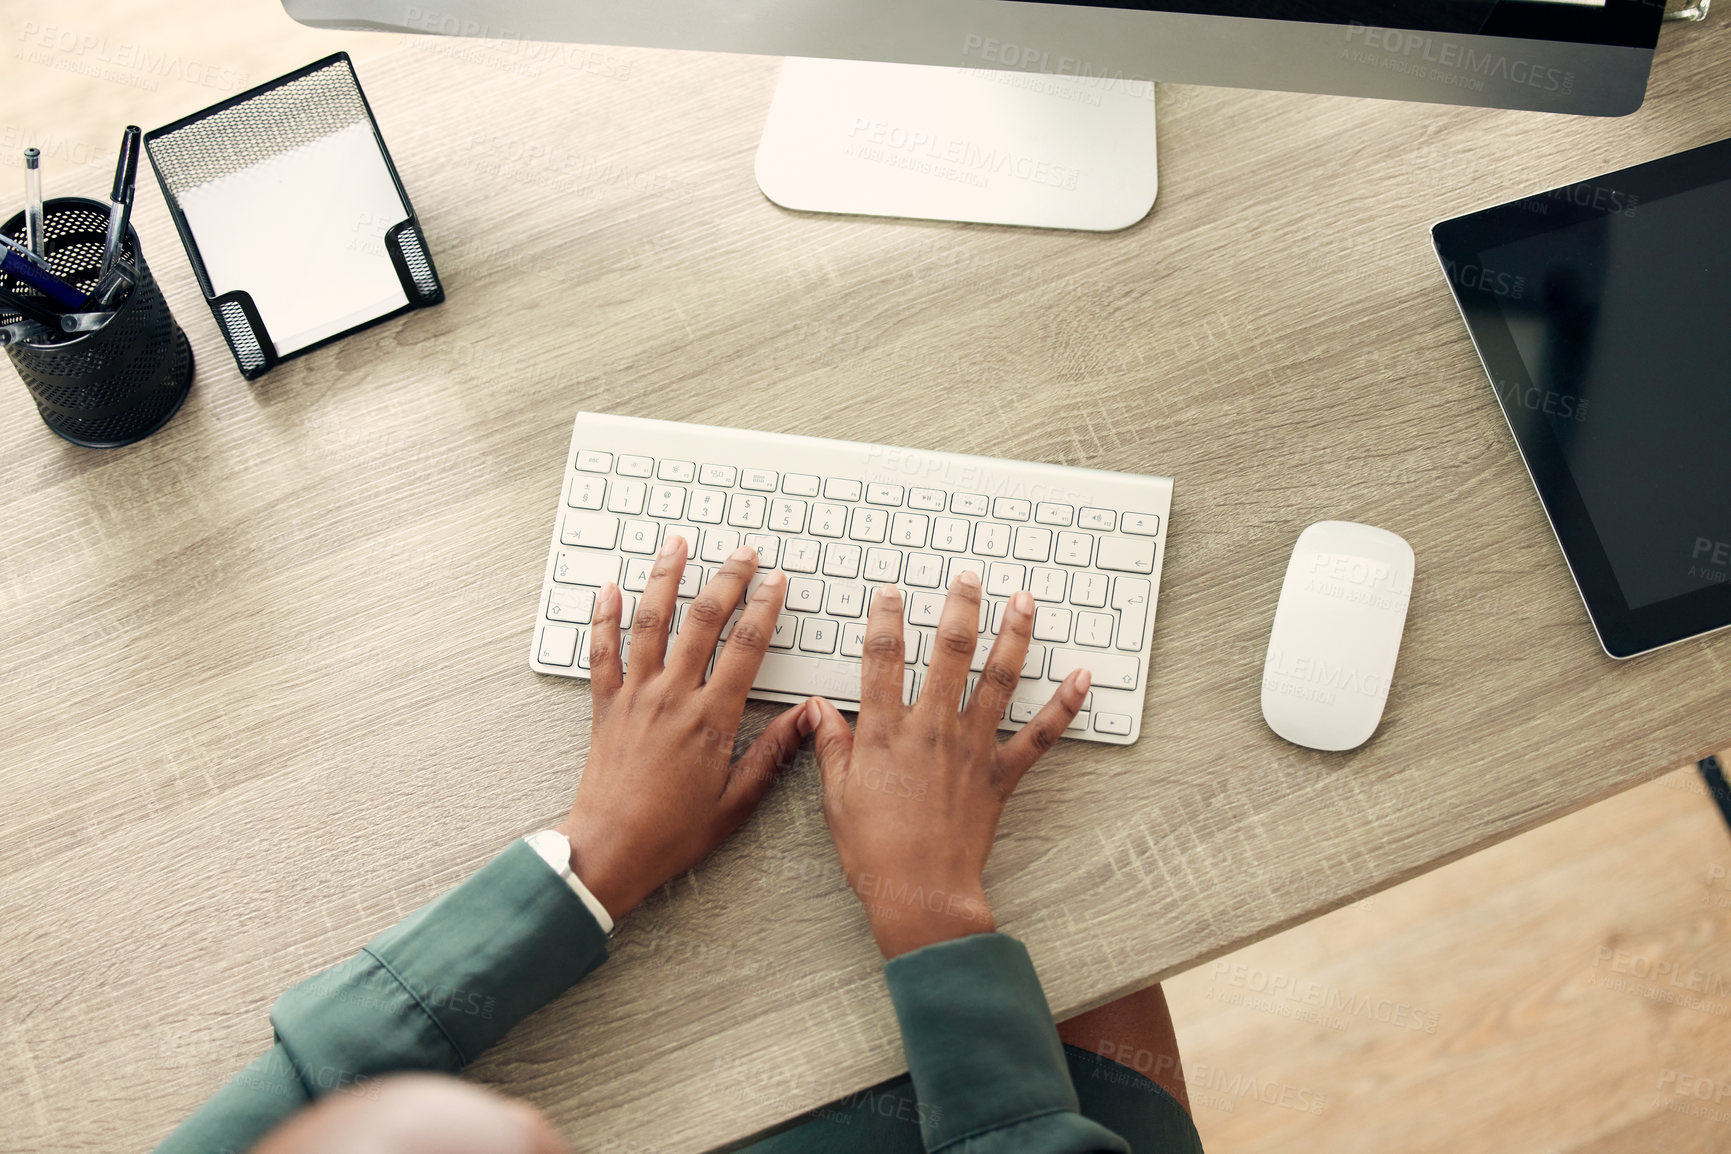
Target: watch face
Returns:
[554, 848]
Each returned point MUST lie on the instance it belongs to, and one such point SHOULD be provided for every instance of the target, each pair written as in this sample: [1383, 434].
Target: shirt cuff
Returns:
[555, 849]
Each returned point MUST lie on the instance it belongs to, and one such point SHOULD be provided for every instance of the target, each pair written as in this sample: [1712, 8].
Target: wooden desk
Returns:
[265, 672]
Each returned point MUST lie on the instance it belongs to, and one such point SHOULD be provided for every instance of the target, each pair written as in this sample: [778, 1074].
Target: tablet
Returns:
[1602, 313]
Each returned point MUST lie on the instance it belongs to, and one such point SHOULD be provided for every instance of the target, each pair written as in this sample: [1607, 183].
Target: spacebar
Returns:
[835, 678]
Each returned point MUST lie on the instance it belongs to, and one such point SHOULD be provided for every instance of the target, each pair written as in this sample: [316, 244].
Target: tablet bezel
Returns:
[1623, 632]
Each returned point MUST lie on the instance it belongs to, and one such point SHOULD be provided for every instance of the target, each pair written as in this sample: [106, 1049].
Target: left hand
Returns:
[661, 787]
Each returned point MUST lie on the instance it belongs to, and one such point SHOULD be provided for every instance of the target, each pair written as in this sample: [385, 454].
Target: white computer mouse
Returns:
[1336, 634]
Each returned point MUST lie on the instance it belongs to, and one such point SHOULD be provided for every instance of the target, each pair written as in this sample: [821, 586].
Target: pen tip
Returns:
[31, 157]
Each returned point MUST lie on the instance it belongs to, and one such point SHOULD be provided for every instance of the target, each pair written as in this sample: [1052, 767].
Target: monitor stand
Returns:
[960, 144]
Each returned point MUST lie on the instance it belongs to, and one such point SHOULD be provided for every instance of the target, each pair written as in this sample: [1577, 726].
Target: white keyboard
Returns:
[839, 518]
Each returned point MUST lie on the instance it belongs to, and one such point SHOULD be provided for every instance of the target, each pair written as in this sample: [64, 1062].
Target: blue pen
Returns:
[20, 262]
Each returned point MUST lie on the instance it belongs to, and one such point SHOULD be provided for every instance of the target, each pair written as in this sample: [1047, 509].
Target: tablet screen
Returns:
[1602, 313]
[1623, 325]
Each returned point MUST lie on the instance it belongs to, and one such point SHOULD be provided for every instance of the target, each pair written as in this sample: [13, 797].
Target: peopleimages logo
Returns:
[1466, 58]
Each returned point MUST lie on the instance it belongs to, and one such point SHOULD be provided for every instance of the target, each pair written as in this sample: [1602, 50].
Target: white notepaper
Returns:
[303, 233]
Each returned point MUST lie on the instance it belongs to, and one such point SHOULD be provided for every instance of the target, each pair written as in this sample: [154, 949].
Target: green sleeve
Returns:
[430, 993]
[984, 1055]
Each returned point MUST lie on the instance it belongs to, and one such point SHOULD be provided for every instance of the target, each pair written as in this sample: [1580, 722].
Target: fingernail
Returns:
[1082, 679]
[772, 579]
[967, 577]
[890, 595]
[608, 598]
[807, 718]
[743, 553]
[1022, 602]
[669, 545]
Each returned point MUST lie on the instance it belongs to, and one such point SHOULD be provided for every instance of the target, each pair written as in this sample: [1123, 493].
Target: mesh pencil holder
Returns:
[116, 385]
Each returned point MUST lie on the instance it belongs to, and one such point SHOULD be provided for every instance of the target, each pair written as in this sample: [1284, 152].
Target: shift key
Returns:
[1110, 670]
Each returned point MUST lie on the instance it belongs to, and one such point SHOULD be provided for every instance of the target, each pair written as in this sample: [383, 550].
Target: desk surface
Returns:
[266, 676]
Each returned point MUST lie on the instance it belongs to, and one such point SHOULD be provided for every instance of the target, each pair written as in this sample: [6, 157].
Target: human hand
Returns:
[661, 787]
[913, 797]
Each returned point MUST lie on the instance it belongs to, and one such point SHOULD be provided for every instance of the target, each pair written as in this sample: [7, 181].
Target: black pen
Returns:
[33, 238]
[120, 199]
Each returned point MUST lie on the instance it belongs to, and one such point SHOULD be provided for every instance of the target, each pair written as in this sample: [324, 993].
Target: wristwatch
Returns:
[555, 849]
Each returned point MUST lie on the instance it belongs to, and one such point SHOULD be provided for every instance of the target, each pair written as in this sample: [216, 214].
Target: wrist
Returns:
[906, 915]
[611, 875]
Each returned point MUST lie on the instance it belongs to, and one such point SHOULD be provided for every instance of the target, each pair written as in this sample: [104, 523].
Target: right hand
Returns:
[913, 797]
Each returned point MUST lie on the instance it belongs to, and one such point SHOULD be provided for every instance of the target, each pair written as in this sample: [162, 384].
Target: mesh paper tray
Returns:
[304, 106]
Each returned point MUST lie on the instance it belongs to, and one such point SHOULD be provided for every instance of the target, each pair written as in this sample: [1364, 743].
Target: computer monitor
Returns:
[906, 110]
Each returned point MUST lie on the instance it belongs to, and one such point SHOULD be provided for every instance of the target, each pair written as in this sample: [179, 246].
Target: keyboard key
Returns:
[878, 493]
[868, 525]
[1051, 624]
[818, 635]
[853, 638]
[950, 534]
[1047, 584]
[640, 537]
[1033, 544]
[1110, 670]
[636, 574]
[841, 560]
[828, 520]
[691, 580]
[717, 544]
[1094, 629]
[964, 565]
[627, 497]
[591, 461]
[1034, 663]
[1078, 724]
[924, 608]
[767, 547]
[925, 570]
[1052, 513]
[846, 599]
[586, 492]
[1130, 599]
[589, 530]
[746, 511]
[1011, 509]
[574, 568]
[883, 565]
[841, 489]
[693, 538]
[684, 471]
[968, 504]
[991, 539]
[1103, 519]
[834, 678]
[1113, 723]
[1003, 579]
[1142, 524]
[558, 645]
[800, 555]
[634, 466]
[722, 475]
[759, 480]
[1074, 549]
[575, 604]
[708, 506]
[786, 630]
[930, 500]
[908, 530]
[1023, 711]
[800, 485]
[1126, 554]
[667, 501]
[981, 648]
[804, 594]
[1088, 589]
[787, 516]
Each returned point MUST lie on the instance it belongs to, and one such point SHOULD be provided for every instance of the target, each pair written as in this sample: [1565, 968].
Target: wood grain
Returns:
[265, 677]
